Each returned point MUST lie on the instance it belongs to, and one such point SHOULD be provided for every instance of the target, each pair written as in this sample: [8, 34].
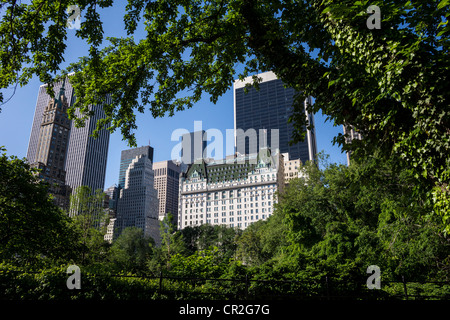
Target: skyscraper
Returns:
[113, 197]
[84, 156]
[167, 174]
[266, 111]
[127, 156]
[113, 194]
[87, 156]
[138, 202]
[52, 129]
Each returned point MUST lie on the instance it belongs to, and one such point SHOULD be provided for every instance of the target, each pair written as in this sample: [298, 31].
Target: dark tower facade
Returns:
[60, 149]
[51, 148]
[266, 111]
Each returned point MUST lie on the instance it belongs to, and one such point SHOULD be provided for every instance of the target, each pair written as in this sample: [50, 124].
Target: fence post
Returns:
[328, 287]
[404, 287]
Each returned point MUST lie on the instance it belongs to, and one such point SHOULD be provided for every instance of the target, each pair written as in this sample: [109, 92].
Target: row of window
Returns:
[232, 193]
[230, 202]
[196, 186]
[196, 215]
[248, 193]
[230, 221]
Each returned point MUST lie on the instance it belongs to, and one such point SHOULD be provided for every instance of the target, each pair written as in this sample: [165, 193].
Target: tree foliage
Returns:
[131, 250]
[343, 219]
[389, 83]
[89, 221]
[31, 225]
[326, 229]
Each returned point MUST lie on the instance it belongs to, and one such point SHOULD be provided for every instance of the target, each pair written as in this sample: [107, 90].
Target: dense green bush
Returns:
[327, 228]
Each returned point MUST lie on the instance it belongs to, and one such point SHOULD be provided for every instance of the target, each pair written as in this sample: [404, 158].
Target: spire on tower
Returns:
[62, 92]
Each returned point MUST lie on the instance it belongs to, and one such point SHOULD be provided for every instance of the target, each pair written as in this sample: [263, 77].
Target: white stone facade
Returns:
[234, 192]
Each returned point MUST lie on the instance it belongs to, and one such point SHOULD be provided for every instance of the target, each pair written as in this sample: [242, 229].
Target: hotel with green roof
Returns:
[234, 192]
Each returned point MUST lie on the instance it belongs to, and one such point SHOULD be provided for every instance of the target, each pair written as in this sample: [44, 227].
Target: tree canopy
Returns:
[31, 225]
[329, 225]
[341, 219]
[391, 84]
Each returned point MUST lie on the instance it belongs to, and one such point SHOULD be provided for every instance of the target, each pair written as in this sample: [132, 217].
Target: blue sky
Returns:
[16, 117]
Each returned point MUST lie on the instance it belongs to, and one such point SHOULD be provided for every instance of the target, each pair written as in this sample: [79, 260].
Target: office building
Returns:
[87, 156]
[112, 193]
[84, 156]
[266, 111]
[127, 156]
[167, 174]
[43, 100]
[49, 146]
[109, 234]
[234, 192]
[138, 202]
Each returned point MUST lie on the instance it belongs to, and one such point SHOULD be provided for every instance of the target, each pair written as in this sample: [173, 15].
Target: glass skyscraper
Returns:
[266, 111]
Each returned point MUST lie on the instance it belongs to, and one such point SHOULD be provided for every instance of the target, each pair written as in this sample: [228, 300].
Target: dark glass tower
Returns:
[265, 111]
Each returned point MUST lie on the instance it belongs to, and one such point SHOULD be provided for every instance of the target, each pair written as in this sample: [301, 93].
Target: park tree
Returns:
[131, 250]
[171, 244]
[89, 219]
[389, 82]
[341, 219]
[32, 227]
[262, 241]
[206, 236]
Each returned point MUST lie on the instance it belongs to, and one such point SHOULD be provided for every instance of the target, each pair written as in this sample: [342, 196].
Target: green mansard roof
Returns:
[233, 170]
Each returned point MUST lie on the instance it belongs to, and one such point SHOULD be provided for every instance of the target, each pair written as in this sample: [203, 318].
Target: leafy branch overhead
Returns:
[390, 83]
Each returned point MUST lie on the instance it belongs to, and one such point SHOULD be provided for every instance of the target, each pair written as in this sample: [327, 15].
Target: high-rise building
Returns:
[84, 156]
[138, 202]
[127, 156]
[87, 156]
[50, 146]
[234, 192]
[43, 100]
[167, 174]
[113, 196]
[193, 147]
[266, 111]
